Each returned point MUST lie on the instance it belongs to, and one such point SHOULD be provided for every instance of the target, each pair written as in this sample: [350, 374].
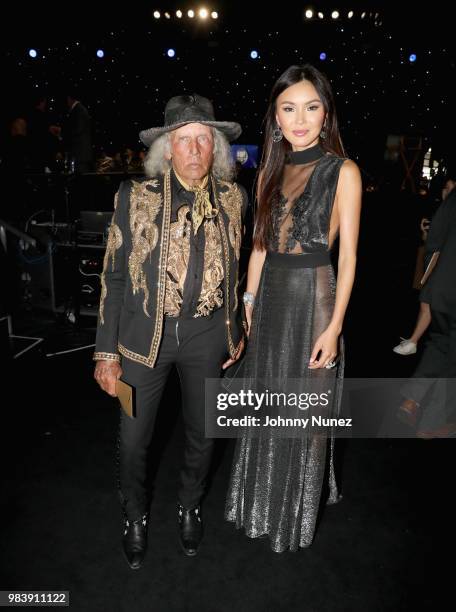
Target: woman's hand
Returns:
[327, 344]
[424, 227]
[248, 316]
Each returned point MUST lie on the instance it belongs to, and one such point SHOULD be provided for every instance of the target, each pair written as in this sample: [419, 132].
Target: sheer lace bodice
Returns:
[302, 213]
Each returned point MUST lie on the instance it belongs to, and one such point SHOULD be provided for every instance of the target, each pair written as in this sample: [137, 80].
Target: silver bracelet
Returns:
[248, 298]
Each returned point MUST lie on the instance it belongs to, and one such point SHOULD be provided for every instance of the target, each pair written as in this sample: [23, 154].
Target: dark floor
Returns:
[380, 548]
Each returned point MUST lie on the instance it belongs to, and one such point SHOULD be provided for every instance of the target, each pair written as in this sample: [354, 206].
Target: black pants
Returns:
[198, 348]
[434, 379]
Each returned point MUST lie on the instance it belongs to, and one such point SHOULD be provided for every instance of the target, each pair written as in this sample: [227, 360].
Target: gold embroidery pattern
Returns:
[106, 357]
[114, 243]
[144, 208]
[150, 360]
[176, 268]
[211, 296]
[232, 203]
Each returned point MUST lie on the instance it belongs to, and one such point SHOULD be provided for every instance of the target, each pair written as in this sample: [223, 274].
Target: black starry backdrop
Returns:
[392, 69]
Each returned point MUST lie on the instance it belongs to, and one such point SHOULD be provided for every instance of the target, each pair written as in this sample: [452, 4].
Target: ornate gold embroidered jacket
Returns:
[133, 283]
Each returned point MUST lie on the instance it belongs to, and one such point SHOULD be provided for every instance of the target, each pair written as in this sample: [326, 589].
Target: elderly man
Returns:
[169, 296]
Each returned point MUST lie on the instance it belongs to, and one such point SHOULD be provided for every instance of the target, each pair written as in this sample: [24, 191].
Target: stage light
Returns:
[203, 13]
[179, 14]
[33, 53]
[412, 57]
[309, 14]
[323, 56]
[363, 15]
[254, 54]
[350, 14]
[168, 16]
[171, 53]
[191, 14]
[157, 14]
[214, 15]
[100, 53]
[320, 15]
[335, 14]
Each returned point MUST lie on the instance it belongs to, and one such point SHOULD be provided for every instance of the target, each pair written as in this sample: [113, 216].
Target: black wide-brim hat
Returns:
[181, 110]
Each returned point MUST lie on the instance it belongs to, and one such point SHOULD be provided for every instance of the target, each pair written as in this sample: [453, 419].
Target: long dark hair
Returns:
[273, 158]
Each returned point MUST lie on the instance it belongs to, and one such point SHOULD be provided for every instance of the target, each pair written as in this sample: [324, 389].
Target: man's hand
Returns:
[107, 373]
[230, 362]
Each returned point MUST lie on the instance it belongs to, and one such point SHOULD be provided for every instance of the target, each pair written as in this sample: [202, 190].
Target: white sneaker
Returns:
[405, 347]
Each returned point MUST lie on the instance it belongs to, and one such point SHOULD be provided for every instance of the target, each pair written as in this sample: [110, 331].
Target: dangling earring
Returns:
[277, 134]
[323, 132]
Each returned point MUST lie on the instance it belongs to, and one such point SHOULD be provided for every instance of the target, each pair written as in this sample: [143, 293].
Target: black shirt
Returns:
[194, 278]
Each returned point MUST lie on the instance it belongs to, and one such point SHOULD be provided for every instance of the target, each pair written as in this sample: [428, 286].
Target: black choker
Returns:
[305, 156]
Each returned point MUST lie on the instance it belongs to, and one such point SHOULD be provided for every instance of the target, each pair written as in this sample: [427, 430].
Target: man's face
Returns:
[242, 155]
[192, 151]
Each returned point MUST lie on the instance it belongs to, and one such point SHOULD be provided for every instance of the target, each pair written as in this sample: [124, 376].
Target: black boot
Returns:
[134, 541]
[190, 529]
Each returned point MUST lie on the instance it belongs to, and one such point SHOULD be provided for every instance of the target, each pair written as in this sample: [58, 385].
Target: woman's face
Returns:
[301, 115]
[449, 186]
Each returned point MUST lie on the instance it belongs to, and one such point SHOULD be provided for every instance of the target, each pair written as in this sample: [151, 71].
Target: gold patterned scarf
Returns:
[202, 206]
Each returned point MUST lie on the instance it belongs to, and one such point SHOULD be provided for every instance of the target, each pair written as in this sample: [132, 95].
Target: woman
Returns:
[428, 400]
[307, 195]
[408, 346]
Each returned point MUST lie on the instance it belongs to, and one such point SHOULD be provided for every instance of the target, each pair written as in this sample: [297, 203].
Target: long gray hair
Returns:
[156, 163]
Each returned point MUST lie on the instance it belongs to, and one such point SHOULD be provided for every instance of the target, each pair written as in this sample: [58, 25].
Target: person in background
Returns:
[430, 395]
[77, 135]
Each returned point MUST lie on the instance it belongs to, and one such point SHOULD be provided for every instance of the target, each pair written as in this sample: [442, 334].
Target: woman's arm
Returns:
[348, 202]
[255, 267]
[439, 227]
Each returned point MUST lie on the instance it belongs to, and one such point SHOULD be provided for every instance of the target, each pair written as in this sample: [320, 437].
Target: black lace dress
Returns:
[276, 483]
